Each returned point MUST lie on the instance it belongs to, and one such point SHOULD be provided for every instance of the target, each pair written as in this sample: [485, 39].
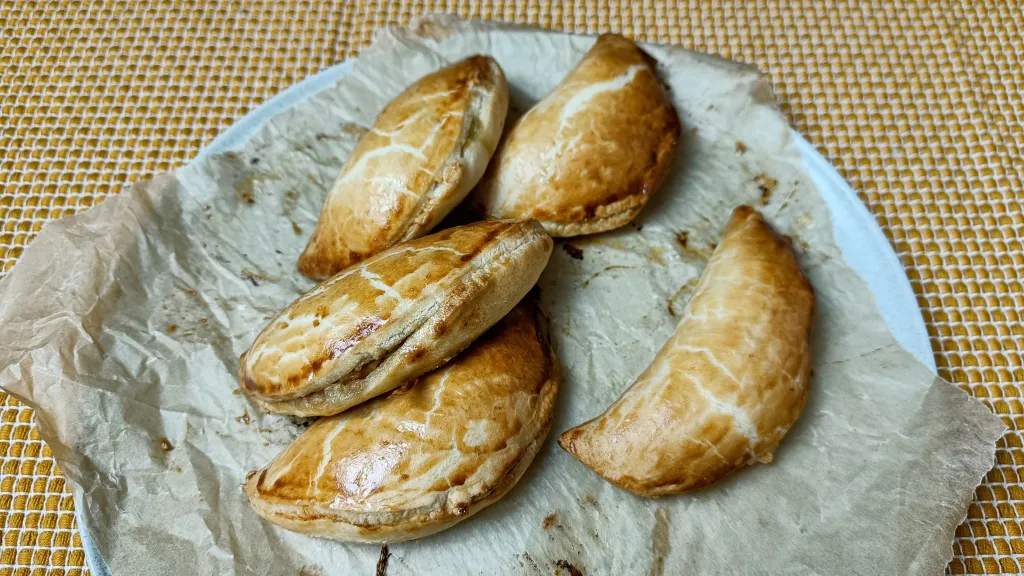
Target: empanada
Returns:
[392, 317]
[428, 455]
[426, 150]
[728, 384]
[587, 157]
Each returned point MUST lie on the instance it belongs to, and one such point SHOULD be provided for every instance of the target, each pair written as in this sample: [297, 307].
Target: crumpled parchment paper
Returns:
[122, 327]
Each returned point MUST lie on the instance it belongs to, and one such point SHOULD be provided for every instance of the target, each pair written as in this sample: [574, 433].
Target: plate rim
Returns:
[859, 237]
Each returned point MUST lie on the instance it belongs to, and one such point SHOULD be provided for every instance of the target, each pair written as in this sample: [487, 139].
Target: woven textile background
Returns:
[918, 104]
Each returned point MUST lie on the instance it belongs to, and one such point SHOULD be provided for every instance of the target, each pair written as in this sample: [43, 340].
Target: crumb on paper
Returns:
[244, 418]
[741, 148]
[245, 190]
[550, 521]
[165, 445]
[564, 568]
[686, 288]
[599, 272]
[766, 185]
[302, 422]
[312, 570]
[171, 329]
[382, 562]
[573, 251]
[588, 499]
[353, 129]
[655, 255]
[252, 277]
[296, 228]
[683, 238]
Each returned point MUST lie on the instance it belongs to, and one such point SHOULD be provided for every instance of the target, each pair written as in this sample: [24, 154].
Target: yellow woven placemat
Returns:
[918, 104]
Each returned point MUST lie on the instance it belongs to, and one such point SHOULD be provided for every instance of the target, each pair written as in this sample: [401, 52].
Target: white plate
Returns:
[863, 244]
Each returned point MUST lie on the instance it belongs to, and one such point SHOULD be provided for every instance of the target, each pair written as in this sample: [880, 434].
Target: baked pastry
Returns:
[392, 317]
[428, 455]
[587, 157]
[727, 385]
[426, 150]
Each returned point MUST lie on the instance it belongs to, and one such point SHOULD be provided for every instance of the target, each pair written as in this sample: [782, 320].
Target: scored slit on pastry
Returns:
[429, 454]
[589, 156]
[727, 385]
[427, 148]
[392, 317]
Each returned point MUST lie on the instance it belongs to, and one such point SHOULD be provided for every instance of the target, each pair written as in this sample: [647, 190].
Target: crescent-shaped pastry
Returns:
[425, 457]
[392, 317]
[587, 157]
[426, 150]
[727, 385]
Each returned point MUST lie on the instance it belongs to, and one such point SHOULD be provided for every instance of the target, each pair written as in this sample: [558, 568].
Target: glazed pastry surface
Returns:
[728, 384]
[428, 454]
[587, 157]
[392, 317]
[427, 149]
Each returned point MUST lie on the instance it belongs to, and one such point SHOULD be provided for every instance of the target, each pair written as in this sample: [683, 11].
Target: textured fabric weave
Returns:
[917, 103]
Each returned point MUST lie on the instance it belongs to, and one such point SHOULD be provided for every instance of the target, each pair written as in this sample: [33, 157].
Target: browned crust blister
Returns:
[728, 384]
[428, 455]
[588, 157]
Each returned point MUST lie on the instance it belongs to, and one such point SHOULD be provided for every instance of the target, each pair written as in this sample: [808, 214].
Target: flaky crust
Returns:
[727, 385]
[587, 157]
[428, 455]
[425, 152]
[392, 317]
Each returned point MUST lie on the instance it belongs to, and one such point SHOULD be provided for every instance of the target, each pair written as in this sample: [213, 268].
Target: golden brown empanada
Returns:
[587, 157]
[728, 384]
[428, 455]
[426, 150]
[392, 317]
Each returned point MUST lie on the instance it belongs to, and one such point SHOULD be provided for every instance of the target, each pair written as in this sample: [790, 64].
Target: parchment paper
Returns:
[122, 327]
